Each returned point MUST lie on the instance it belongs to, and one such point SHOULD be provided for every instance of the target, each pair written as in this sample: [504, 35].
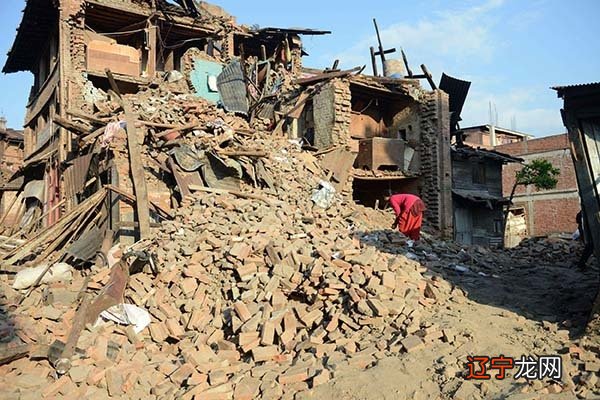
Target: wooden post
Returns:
[151, 46]
[429, 77]
[374, 61]
[135, 162]
[381, 50]
[405, 59]
[137, 172]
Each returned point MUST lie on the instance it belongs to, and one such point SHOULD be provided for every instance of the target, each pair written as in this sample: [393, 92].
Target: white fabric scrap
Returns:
[57, 273]
[324, 196]
[128, 314]
[110, 131]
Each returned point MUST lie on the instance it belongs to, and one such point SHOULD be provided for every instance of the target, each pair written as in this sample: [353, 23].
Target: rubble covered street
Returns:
[199, 216]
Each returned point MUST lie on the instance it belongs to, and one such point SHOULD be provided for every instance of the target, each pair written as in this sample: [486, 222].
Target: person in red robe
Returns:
[409, 214]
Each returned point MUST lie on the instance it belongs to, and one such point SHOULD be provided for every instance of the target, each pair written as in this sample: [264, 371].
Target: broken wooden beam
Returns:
[428, 77]
[164, 213]
[135, 162]
[324, 76]
[71, 126]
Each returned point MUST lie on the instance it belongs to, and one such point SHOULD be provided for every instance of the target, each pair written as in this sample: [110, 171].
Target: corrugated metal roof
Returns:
[495, 155]
[232, 88]
[457, 91]
[583, 89]
[578, 85]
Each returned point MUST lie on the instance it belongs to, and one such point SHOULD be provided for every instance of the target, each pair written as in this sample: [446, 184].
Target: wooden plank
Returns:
[232, 192]
[137, 172]
[591, 136]
[429, 77]
[585, 181]
[151, 65]
[184, 179]
[324, 76]
[296, 111]
[52, 231]
[128, 196]
[339, 163]
[44, 96]
[135, 162]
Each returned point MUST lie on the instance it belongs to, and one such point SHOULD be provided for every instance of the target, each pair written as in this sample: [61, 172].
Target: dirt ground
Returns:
[536, 308]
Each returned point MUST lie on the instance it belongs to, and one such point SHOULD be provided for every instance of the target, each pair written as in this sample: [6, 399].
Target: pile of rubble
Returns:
[266, 296]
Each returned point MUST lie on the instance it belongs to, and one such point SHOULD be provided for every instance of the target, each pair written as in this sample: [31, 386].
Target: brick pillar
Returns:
[436, 167]
[71, 56]
[332, 110]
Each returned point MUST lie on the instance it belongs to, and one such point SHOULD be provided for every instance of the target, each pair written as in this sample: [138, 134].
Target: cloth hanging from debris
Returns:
[111, 131]
[232, 88]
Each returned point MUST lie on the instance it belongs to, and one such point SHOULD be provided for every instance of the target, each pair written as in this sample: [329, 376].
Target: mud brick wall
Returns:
[547, 211]
[297, 60]
[228, 47]
[332, 110]
[436, 167]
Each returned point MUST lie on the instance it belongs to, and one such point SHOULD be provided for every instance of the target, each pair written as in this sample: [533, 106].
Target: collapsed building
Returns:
[144, 119]
[581, 117]
[210, 142]
[393, 131]
[478, 195]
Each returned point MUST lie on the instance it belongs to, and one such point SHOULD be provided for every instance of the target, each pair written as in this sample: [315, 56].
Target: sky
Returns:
[512, 51]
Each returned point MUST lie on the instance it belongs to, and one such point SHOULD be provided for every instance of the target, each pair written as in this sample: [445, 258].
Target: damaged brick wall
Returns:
[332, 112]
[547, 211]
[72, 57]
[436, 168]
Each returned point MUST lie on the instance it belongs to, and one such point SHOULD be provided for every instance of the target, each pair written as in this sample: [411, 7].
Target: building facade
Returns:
[545, 211]
[11, 160]
[478, 202]
[398, 133]
[489, 136]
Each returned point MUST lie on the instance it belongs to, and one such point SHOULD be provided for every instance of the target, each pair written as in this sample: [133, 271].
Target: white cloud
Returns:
[520, 103]
[453, 35]
[462, 42]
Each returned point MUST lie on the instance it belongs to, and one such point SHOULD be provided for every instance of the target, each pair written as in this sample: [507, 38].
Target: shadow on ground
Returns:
[539, 287]
[7, 328]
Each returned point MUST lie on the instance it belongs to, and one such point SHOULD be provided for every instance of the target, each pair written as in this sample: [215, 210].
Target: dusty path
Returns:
[512, 309]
